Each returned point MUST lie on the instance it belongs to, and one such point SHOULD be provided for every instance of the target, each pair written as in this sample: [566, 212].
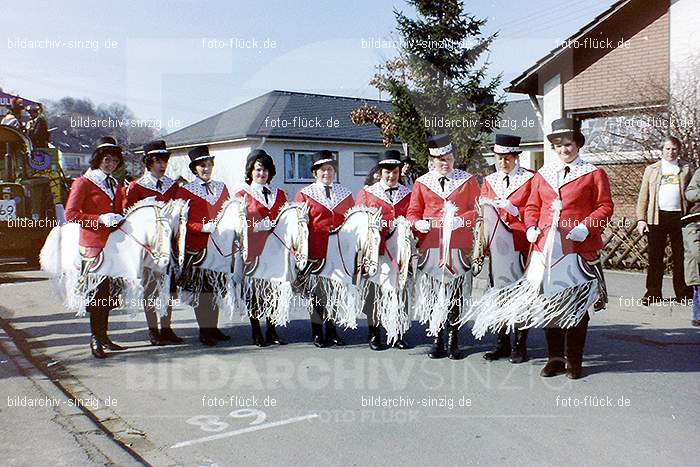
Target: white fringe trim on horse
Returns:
[77, 292]
[161, 298]
[343, 301]
[435, 297]
[266, 298]
[521, 305]
[390, 309]
[224, 287]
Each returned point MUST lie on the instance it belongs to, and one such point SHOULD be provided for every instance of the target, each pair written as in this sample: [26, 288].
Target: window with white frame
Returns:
[364, 162]
[297, 165]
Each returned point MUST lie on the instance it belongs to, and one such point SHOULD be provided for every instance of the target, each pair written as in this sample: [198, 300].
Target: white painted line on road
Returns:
[499, 416]
[243, 430]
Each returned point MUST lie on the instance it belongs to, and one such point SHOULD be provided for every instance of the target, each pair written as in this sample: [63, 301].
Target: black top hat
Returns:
[323, 157]
[566, 127]
[197, 154]
[105, 145]
[258, 154]
[507, 144]
[155, 149]
[391, 159]
[439, 145]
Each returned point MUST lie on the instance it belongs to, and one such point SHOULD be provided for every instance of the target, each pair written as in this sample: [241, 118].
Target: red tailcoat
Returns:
[586, 199]
[324, 214]
[375, 196]
[88, 198]
[517, 192]
[204, 207]
[145, 187]
[428, 199]
[256, 210]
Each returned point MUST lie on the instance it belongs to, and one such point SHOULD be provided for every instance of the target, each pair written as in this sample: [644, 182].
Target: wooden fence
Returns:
[626, 249]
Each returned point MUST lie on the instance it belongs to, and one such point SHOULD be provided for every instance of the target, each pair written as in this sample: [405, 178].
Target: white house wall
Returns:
[552, 109]
[231, 158]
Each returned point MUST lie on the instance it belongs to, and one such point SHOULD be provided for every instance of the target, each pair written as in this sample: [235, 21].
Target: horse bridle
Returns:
[238, 244]
[301, 220]
[369, 242]
[159, 219]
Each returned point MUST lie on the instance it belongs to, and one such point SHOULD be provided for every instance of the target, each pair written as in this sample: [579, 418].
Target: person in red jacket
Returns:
[328, 202]
[95, 202]
[206, 197]
[393, 199]
[586, 206]
[430, 193]
[508, 190]
[154, 184]
[263, 204]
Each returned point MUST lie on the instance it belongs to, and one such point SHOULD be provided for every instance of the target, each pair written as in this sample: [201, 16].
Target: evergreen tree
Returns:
[439, 78]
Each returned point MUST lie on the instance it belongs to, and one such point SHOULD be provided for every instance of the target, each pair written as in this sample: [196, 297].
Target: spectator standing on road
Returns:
[660, 206]
[691, 237]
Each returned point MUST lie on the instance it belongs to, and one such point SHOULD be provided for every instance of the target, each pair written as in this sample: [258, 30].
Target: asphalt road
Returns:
[298, 405]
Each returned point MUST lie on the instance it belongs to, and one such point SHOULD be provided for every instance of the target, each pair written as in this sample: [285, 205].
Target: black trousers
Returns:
[669, 227]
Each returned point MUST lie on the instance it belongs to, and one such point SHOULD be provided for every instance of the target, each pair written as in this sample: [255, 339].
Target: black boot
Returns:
[271, 335]
[106, 341]
[502, 348]
[374, 339]
[317, 335]
[95, 344]
[453, 342]
[575, 341]
[155, 337]
[555, 353]
[332, 337]
[170, 337]
[218, 335]
[206, 337]
[438, 350]
[258, 338]
[401, 344]
[519, 354]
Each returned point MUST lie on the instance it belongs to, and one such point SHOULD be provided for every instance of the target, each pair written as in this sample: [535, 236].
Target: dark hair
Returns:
[149, 159]
[674, 140]
[194, 164]
[266, 161]
[576, 137]
[97, 160]
[370, 180]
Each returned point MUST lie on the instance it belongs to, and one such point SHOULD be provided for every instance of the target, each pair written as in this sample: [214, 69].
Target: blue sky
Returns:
[176, 61]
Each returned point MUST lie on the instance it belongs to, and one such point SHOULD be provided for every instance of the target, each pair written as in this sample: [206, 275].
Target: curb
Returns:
[125, 439]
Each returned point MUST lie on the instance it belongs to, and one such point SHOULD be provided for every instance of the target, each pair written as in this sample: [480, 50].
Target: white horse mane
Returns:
[142, 204]
[227, 203]
[304, 207]
[373, 212]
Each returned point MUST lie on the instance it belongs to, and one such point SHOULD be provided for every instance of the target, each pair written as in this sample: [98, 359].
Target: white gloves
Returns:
[642, 228]
[578, 233]
[110, 219]
[506, 205]
[422, 226]
[457, 223]
[533, 234]
[209, 227]
[262, 226]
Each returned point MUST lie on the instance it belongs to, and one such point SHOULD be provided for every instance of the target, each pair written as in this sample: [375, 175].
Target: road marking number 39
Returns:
[213, 423]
